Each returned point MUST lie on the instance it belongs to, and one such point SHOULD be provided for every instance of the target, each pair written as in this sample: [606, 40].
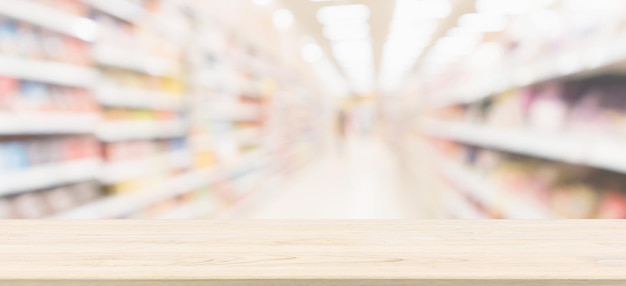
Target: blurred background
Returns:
[312, 109]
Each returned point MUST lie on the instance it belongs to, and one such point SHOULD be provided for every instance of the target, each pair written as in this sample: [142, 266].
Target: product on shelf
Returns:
[134, 150]
[31, 42]
[74, 7]
[140, 95]
[39, 98]
[137, 115]
[567, 191]
[42, 203]
[613, 205]
[22, 153]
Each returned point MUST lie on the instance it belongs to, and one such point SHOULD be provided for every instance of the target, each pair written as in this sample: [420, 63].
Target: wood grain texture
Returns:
[139, 253]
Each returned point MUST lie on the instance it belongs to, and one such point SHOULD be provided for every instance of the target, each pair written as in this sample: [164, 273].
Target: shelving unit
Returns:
[49, 18]
[583, 62]
[24, 124]
[460, 207]
[138, 99]
[51, 175]
[123, 204]
[123, 9]
[530, 112]
[158, 133]
[490, 196]
[47, 115]
[119, 172]
[134, 130]
[46, 71]
[584, 149]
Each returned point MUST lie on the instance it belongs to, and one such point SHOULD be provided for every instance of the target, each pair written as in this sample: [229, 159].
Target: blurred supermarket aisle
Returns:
[364, 182]
[169, 109]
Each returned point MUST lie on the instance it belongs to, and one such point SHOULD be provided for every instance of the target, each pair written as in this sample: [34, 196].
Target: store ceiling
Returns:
[305, 12]
[381, 15]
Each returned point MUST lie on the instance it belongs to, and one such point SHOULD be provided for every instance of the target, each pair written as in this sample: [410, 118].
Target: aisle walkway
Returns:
[365, 182]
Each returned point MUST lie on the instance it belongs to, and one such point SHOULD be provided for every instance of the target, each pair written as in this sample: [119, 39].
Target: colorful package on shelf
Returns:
[38, 98]
[613, 205]
[22, 153]
[74, 7]
[8, 92]
[42, 203]
[31, 42]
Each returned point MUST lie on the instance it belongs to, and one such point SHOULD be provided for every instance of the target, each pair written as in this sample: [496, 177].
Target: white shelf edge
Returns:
[593, 151]
[118, 172]
[50, 175]
[49, 18]
[460, 207]
[124, 204]
[586, 63]
[130, 130]
[53, 123]
[122, 9]
[490, 196]
[46, 71]
[119, 205]
[135, 61]
[190, 210]
[127, 98]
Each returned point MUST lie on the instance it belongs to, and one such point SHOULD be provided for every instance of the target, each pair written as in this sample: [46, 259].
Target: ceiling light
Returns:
[505, 7]
[262, 2]
[347, 32]
[593, 6]
[352, 49]
[460, 42]
[462, 32]
[312, 52]
[343, 13]
[433, 9]
[283, 19]
[546, 22]
[484, 22]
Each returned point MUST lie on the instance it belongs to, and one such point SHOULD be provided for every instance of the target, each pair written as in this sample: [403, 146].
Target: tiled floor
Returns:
[365, 182]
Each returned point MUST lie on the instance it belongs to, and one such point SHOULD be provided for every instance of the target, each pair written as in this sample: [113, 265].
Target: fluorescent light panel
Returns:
[347, 32]
[431, 9]
[484, 22]
[343, 13]
[411, 30]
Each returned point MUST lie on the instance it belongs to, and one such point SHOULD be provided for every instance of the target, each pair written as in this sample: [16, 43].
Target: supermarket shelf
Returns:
[581, 63]
[248, 135]
[123, 204]
[122, 9]
[460, 207]
[134, 61]
[127, 98]
[595, 151]
[233, 111]
[191, 210]
[46, 71]
[18, 124]
[128, 203]
[490, 196]
[118, 172]
[130, 130]
[48, 175]
[50, 18]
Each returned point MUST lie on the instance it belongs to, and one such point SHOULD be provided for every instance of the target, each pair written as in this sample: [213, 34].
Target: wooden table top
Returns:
[559, 252]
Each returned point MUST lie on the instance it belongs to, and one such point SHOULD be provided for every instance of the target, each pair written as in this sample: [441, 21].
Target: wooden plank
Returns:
[313, 253]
